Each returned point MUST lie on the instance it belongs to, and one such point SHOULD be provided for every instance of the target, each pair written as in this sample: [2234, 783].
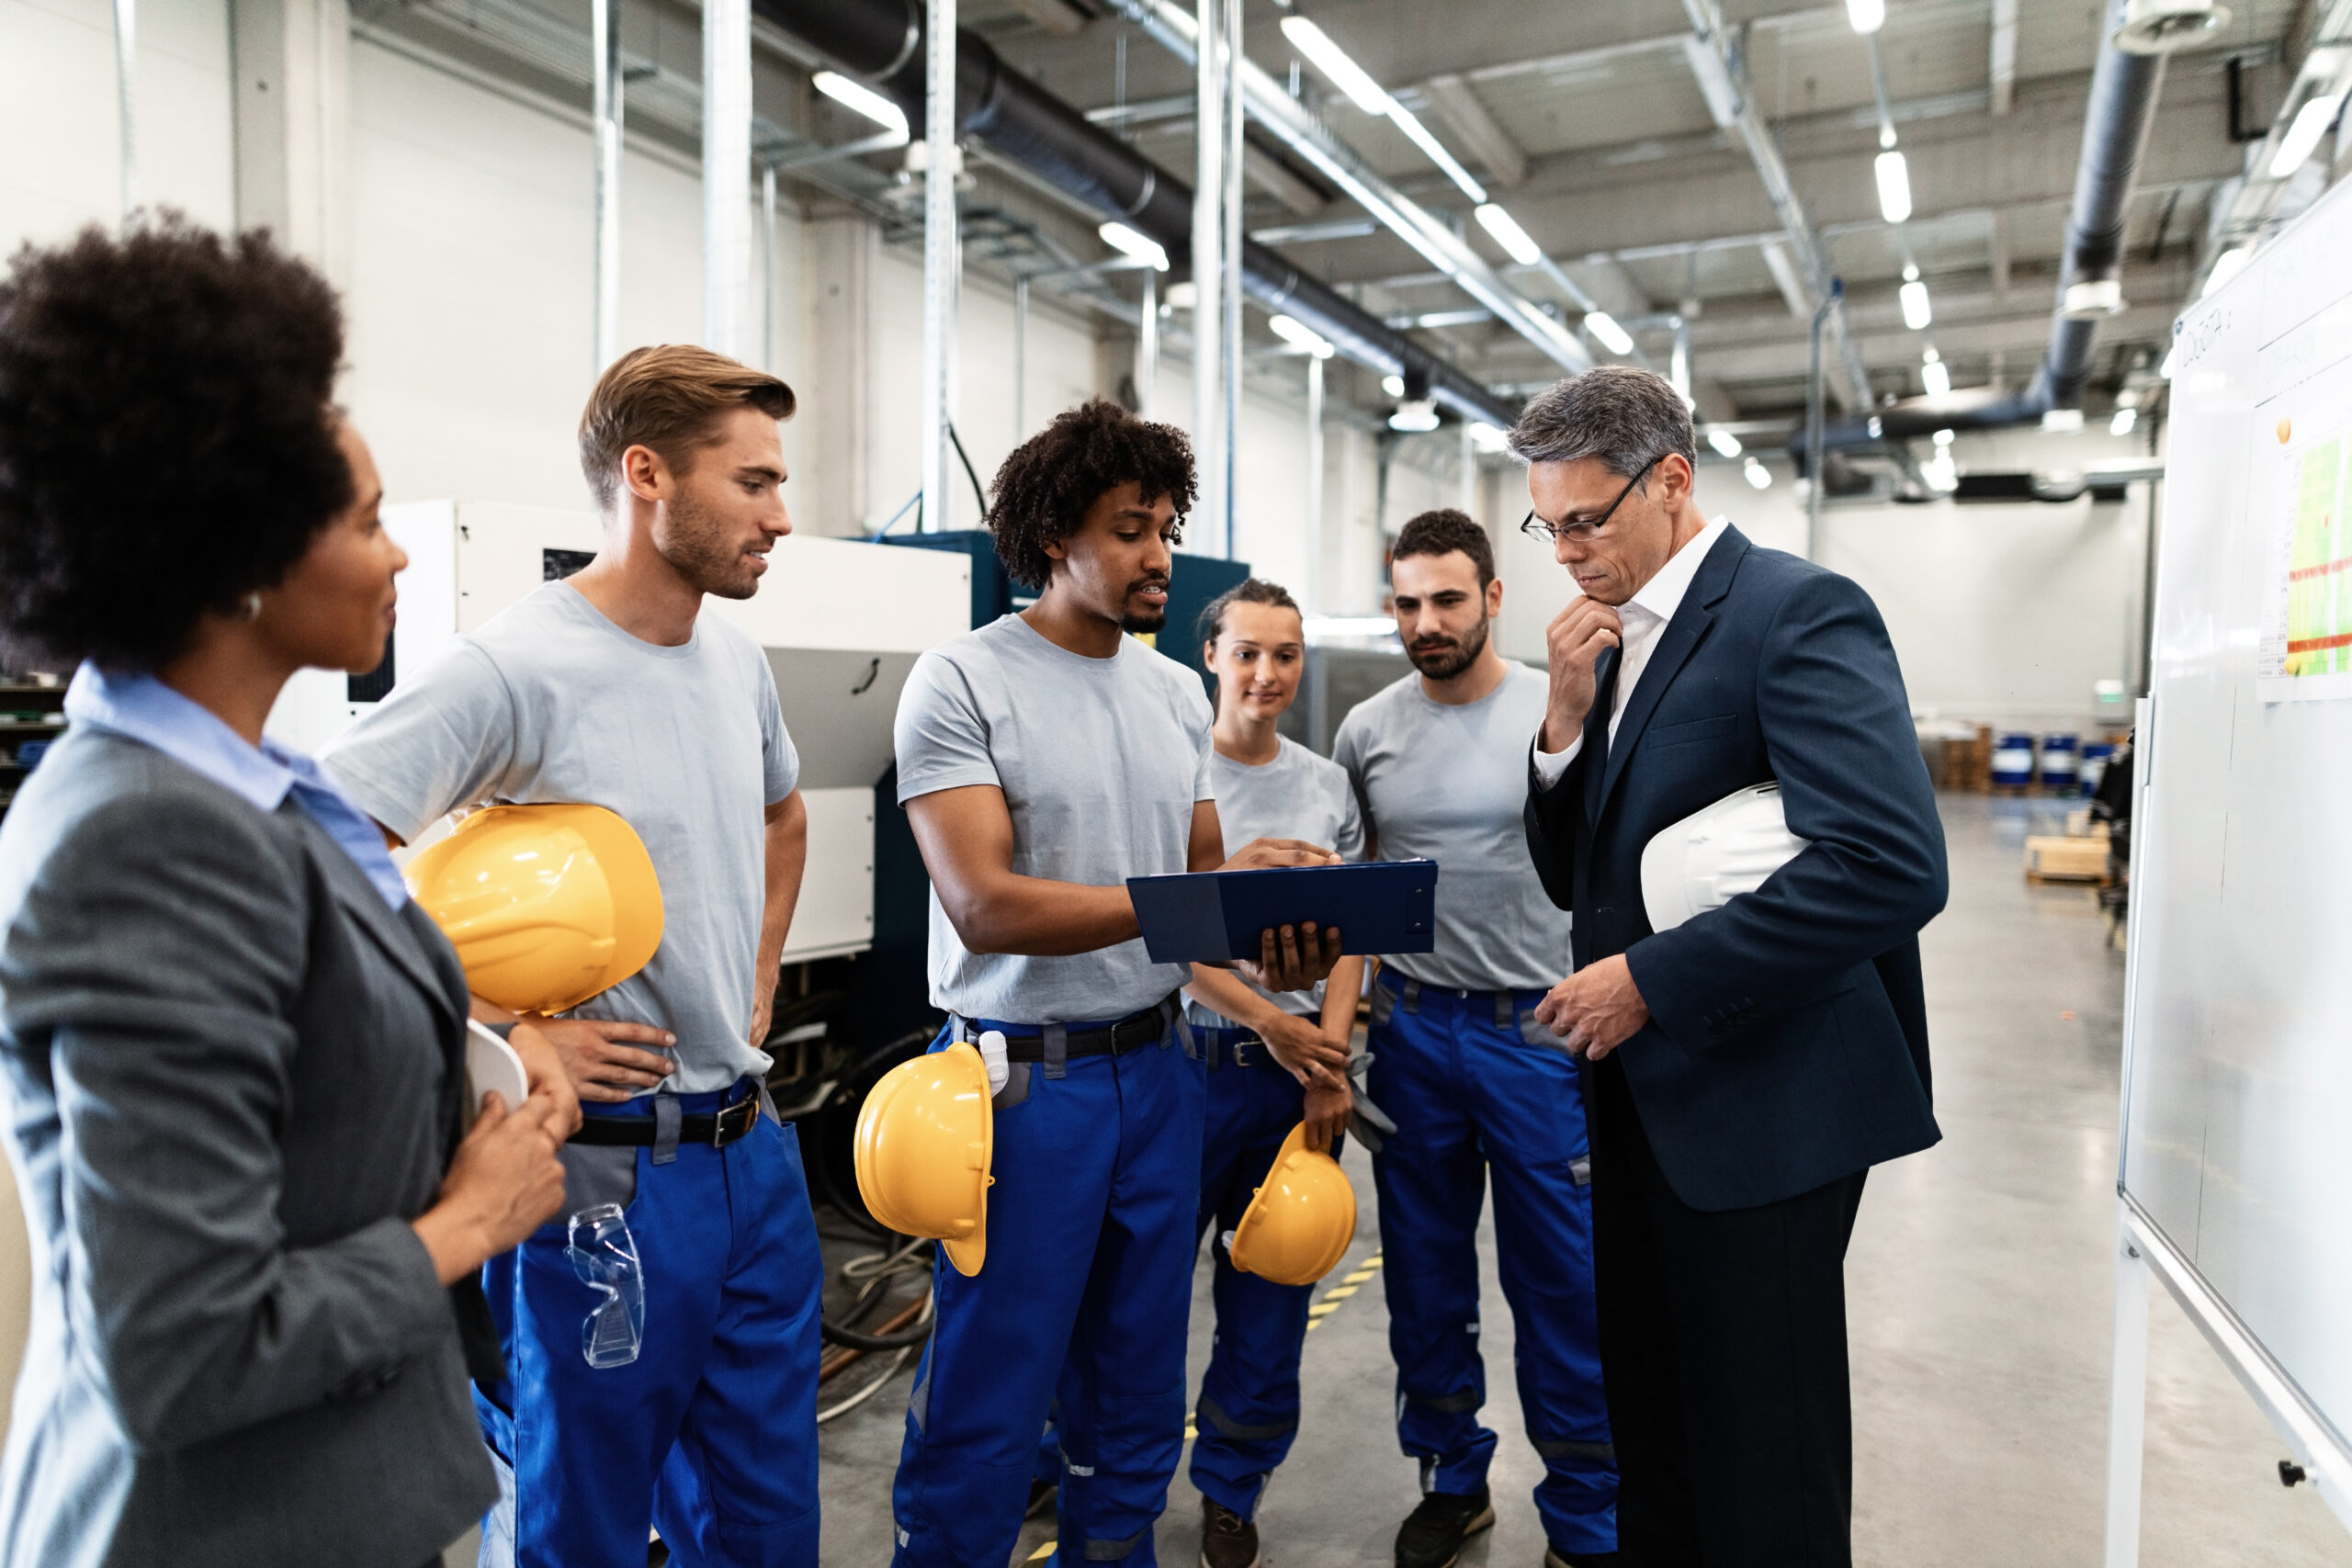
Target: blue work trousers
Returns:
[1247, 1413]
[1475, 1092]
[710, 1435]
[1080, 1308]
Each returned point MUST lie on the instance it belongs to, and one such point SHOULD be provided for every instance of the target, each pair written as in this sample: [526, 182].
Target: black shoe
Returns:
[1554, 1557]
[1228, 1540]
[1431, 1536]
[1043, 1494]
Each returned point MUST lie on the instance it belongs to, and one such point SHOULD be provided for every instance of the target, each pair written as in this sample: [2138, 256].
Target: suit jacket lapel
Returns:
[359, 899]
[1675, 645]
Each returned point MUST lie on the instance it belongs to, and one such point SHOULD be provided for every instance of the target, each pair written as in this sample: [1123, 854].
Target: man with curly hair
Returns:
[1044, 760]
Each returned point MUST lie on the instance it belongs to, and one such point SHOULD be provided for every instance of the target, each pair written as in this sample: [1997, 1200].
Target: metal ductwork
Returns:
[2115, 133]
[880, 42]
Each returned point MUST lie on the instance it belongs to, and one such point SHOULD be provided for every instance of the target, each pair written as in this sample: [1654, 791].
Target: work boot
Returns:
[1432, 1534]
[1555, 1557]
[1228, 1540]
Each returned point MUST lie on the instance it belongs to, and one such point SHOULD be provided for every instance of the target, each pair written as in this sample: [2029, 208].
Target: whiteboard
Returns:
[2237, 1118]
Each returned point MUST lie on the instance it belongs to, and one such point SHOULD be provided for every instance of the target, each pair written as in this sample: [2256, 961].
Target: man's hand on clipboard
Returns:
[1295, 957]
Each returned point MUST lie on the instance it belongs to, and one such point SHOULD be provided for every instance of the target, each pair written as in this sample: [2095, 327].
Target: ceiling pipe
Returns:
[880, 42]
[2115, 134]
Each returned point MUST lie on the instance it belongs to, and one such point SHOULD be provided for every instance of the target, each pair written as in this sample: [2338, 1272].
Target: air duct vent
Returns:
[2161, 26]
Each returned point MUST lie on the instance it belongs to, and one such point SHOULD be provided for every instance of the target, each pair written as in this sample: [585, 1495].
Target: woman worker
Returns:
[1273, 1061]
[232, 1046]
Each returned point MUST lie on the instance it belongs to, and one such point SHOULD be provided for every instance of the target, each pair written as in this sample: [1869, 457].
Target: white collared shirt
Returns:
[1645, 615]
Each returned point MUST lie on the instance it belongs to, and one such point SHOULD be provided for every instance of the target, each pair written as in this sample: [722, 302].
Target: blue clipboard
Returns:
[1216, 916]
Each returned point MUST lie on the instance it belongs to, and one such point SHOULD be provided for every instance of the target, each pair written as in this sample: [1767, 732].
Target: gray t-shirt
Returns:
[1449, 783]
[550, 700]
[1100, 760]
[1296, 795]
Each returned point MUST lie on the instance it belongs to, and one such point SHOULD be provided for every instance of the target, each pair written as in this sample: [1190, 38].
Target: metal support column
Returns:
[726, 169]
[1469, 499]
[1314, 605]
[604, 37]
[767, 268]
[1208, 265]
[126, 85]
[1231, 269]
[1019, 358]
[942, 261]
[1812, 433]
[2127, 1400]
[1147, 348]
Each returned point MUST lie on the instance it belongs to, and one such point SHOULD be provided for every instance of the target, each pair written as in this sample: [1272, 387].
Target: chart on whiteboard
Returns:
[2306, 648]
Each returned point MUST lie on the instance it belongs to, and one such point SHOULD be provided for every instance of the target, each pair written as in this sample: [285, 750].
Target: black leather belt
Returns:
[1149, 1027]
[730, 1123]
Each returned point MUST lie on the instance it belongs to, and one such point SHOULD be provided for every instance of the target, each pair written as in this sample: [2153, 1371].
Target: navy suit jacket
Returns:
[1787, 1044]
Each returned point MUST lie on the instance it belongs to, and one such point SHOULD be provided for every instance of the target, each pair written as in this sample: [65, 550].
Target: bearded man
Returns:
[1476, 1086]
[613, 688]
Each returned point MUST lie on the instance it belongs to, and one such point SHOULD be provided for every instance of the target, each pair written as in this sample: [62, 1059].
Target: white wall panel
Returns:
[59, 138]
[470, 342]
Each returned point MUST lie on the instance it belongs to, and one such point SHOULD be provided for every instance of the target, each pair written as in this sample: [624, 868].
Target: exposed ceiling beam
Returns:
[2004, 71]
[1456, 104]
[1707, 49]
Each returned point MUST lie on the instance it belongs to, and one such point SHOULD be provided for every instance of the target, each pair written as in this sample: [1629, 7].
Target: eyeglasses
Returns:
[1583, 531]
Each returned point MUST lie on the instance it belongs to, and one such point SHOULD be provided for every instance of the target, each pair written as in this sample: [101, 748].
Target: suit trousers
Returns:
[1722, 1347]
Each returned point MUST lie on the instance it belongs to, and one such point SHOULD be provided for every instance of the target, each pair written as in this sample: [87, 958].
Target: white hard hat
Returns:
[1712, 856]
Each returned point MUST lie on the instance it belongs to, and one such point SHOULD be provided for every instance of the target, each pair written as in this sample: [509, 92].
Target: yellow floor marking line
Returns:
[1330, 1300]
[1044, 1552]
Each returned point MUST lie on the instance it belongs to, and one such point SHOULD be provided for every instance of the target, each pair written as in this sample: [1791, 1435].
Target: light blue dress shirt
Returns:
[146, 710]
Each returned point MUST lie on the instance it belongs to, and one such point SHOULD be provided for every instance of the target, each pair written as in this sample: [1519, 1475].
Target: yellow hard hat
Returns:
[545, 905]
[925, 1135]
[1301, 1221]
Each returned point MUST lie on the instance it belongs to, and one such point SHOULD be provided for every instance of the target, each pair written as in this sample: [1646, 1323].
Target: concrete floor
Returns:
[1980, 1288]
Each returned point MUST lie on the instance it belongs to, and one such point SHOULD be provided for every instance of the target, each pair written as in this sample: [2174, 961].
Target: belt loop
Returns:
[665, 1129]
[1056, 1050]
[1412, 994]
[1506, 1014]
[1185, 1035]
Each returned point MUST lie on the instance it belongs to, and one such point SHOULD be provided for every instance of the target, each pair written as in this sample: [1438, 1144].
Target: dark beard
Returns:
[698, 549]
[1143, 620]
[1445, 663]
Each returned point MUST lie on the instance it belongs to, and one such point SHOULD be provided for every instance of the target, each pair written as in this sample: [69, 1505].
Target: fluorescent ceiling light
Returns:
[857, 95]
[1757, 474]
[2310, 123]
[1393, 385]
[1724, 441]
[1615, 338]
[1936, 376]
[1485, 437]
[1867, 16]
[2061, 422]
[1408, 122]
[2226, 266]
[1332, 61]
[1135, 242]
[1299, 335]
[1319, 627]
[2125, 417]
[1916, 312]
[1893, 188]
[1941, 472]
[1943, 438]
[1509, 235]
[1416, 415]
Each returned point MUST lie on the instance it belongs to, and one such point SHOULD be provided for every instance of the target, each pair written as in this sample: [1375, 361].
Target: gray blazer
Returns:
[232, 1079]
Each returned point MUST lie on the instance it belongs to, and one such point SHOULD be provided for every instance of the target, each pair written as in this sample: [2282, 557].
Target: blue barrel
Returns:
[2097, 754]
[2013, 762]
[2058, 758]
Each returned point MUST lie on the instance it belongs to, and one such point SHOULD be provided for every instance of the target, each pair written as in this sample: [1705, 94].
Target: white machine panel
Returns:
[842, 623]
[2238, 1088]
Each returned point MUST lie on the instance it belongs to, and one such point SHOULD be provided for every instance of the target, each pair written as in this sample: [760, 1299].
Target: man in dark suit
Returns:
[1746, 1067]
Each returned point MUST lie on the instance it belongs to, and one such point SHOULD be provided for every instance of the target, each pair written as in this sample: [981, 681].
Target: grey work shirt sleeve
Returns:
[441, 740]
[940, 737]
[1347, 750]
[164, 985]
[779, 759]
[1351, 835]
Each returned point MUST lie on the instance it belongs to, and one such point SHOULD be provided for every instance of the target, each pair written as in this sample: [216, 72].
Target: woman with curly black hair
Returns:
[1043, 760]
[232, 1044]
